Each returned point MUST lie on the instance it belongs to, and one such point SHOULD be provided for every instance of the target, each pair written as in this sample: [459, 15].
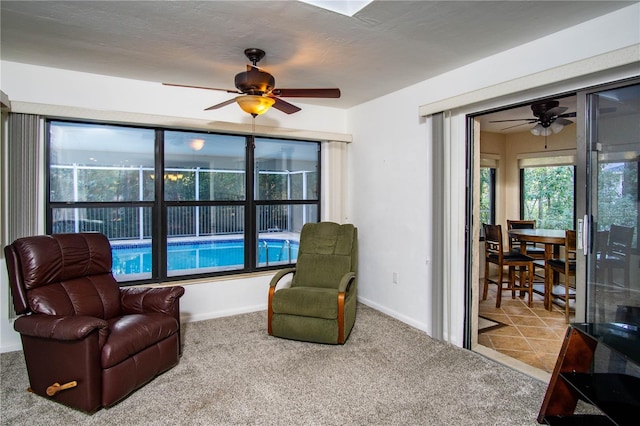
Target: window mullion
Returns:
[250, 233]
[159, 230]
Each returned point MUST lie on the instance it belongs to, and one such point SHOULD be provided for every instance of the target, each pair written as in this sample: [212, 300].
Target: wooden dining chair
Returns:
[566, 266]
[532, 249]
[515, 244]
[495, 254]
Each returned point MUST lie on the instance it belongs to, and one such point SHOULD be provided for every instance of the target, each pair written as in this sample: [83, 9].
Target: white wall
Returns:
[389, 166]
[390, 161]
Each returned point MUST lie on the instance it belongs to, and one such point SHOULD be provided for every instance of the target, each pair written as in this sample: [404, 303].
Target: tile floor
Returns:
[531, 335]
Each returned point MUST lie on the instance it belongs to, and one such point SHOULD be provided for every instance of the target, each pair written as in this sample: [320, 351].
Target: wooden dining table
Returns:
[552, 240]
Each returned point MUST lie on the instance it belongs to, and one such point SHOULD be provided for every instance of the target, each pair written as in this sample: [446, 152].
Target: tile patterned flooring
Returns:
[531, 335]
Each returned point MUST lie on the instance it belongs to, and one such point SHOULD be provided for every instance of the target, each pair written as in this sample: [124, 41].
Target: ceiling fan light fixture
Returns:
[556, 127]
[255, 104]
[540, 130]
[537, 130]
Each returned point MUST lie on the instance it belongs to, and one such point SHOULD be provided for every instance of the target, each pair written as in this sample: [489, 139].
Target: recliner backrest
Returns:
[327, 251]
[63, 274]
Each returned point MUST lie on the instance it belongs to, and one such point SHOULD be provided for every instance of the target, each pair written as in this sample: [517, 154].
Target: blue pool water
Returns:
[201, 255]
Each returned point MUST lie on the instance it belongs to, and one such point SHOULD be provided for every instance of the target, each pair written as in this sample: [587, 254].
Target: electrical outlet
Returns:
[395, 278]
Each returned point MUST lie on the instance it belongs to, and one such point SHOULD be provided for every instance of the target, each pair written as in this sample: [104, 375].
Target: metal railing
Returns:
[136, 222]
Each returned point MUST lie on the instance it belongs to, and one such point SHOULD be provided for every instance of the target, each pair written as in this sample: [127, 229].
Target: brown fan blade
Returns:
[528, 120]
[563, 121]
[517, 125]
[221, 104]
[570, 114]
[200, 87]
[306, 93]
[284, 106]
[555, 111]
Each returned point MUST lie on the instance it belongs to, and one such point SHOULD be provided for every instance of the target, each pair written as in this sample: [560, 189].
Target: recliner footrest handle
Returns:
[57, 387]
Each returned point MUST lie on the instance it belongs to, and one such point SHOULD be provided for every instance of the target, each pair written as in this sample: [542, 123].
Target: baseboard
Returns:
[400, 317]
[10, 348]
[186, 317]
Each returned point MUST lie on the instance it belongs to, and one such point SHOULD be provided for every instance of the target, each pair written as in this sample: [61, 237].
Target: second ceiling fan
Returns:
[548, 115]
[258, 90]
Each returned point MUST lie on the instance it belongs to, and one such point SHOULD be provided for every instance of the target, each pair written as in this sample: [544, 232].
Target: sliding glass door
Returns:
[610, 232]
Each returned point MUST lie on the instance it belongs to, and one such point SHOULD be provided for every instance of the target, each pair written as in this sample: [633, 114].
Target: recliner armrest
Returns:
[281, 273]
[346, 281]
[61, 327]
[141, 300]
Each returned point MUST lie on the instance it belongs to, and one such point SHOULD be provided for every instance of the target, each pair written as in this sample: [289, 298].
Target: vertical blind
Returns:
[23, 178]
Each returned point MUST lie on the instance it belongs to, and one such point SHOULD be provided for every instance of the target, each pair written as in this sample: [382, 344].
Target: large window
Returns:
[223, 204]
[547, 196]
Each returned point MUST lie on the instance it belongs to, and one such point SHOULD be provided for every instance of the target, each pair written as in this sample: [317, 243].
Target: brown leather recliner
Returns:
[87, 342]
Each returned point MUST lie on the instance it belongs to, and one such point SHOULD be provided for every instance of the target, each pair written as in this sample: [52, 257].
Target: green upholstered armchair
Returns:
[320, 304]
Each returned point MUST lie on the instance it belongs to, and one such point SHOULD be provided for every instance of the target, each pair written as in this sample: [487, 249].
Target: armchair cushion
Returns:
[130, 334]
[312, 270]
[97, 296]
[324, 244]
[307, 301]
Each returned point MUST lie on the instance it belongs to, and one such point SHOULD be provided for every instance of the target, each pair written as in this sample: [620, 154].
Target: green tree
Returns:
[549, 196]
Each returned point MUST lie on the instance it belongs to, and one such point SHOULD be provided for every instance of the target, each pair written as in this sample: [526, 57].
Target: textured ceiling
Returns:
[385, 47]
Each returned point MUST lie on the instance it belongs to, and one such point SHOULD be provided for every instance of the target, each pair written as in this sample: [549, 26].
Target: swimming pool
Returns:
[200, 256]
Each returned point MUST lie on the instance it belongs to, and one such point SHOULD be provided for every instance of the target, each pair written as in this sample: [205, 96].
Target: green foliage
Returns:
[485, 195]
[549, 196]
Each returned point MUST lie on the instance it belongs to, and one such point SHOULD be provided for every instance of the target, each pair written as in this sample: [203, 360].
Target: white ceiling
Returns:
[385, 47]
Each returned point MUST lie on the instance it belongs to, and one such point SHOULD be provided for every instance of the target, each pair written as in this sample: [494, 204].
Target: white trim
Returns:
[489, 160]
[61, 111]
[605, 62]
[550, 153]
[5, 103]
[565, 157]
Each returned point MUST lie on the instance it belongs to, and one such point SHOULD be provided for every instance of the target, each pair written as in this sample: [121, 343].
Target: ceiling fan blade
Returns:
[528, 120]
[569, 114]
[555, 111]
[517, 125]
[306, 93]
[563, 121]
[285, 106]
[200, 87]
[221, 104]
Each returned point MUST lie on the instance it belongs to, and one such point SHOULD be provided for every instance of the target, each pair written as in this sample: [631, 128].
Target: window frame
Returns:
[159, 206]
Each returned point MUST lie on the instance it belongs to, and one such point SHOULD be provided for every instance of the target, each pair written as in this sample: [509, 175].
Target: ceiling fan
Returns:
[549, 116]
[257, 90]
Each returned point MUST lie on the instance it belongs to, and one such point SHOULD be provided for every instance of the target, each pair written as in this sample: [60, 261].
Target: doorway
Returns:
[604, 148]
[526, 172]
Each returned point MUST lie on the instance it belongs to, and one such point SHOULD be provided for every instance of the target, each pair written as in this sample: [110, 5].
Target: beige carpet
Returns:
[233, 373]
